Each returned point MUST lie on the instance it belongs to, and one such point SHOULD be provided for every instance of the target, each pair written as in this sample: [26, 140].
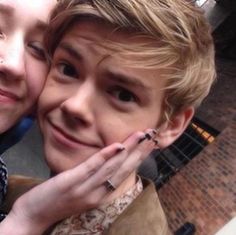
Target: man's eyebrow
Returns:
[70, 50]
[127, 80]
[6, 9]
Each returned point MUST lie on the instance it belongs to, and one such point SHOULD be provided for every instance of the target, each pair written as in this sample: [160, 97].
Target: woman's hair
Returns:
[181, 46]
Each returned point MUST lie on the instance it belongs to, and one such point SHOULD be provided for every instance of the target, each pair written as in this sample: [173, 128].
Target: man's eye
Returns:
[123, 95]
[67, 70]
[37, 50]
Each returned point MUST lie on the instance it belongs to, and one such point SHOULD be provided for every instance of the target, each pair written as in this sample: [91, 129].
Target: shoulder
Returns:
[144, 216]
[17, 186]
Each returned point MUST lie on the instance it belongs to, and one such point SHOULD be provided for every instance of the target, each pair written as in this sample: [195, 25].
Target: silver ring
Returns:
[109, 186]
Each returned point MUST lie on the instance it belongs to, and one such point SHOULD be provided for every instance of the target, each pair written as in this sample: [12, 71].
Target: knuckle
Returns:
[90, 168]
[110, 169]
[103, 155]
[126, 170]
[117, 145]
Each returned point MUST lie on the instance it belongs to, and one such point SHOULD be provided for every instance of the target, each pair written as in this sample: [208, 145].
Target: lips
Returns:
[67, 140]
[8, 96]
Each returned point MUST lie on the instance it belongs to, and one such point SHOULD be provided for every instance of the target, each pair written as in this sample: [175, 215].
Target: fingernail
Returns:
[148, 136]
[142, 139]
[154, 131]
[155, 141]
[120, 149]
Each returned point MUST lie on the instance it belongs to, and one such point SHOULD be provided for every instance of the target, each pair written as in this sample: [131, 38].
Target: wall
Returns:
[204, 191]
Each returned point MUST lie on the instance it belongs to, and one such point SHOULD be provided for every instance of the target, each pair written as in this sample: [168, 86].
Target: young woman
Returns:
[23, 68]
[116, 67]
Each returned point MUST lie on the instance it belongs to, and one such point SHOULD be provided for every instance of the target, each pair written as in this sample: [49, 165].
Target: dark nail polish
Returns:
[120, 149]
[148, 136]
[155, 141]
[142, 139]
[154, 131]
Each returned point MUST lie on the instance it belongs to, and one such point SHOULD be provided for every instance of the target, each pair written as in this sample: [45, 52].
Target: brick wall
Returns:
[219, 107]
[204, 191]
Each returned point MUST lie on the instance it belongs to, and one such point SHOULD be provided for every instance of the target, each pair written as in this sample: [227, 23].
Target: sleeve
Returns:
[3, 185]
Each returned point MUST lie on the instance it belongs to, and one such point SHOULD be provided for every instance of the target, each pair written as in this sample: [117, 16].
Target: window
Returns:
[172, 159]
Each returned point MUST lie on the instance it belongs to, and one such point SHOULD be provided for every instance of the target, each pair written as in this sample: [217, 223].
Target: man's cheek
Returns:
[115, 131]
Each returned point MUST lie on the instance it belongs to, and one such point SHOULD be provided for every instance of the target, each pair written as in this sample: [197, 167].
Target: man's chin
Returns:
[58, 162]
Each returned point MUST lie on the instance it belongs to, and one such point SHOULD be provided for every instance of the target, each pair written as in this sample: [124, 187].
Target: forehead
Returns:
[29, 9]
[88, 42]
[102, 33]
[131, 48]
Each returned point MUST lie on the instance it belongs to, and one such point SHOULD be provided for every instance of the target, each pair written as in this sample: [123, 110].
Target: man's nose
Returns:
[79, 106]
[12, 60]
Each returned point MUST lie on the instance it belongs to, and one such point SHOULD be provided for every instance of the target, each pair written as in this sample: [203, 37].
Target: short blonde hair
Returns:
[183, 50]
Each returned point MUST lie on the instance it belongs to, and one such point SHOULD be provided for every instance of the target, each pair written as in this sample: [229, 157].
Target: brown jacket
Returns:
[144, 216]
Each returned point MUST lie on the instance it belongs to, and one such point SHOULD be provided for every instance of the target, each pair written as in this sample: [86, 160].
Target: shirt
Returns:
[95, 221]
[8, 139]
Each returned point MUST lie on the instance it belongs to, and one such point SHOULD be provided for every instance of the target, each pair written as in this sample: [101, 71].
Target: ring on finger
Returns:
[109, 186]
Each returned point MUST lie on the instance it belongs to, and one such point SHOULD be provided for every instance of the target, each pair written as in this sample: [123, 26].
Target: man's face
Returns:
[91, 99]
[22, 64]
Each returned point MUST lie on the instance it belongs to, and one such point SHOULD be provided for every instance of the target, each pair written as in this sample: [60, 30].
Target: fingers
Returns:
[135, 158]
[106, 162]
[114, 162]
[148, 143]
[82, 187]
[112, 165]
[83, 171]
[137, 148]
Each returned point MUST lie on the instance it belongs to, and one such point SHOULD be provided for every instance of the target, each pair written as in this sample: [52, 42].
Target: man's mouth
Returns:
[64, 138]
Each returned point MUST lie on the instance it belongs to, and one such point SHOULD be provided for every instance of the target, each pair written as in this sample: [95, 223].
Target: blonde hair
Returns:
[182, 46]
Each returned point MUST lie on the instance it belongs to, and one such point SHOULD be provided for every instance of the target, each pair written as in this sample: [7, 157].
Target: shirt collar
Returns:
[95, 221]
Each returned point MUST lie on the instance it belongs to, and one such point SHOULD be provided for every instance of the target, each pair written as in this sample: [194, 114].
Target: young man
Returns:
[23, 70]
[117, 67]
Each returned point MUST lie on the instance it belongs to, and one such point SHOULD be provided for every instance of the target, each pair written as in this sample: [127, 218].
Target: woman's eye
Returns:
[38, 50]
[123, 95]
[67, 70]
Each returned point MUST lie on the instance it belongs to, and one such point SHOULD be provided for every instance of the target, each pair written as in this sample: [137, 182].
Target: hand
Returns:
[76, 190]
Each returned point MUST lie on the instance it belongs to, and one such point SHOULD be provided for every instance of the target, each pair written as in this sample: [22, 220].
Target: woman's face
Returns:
[22, 64]
[91, 99]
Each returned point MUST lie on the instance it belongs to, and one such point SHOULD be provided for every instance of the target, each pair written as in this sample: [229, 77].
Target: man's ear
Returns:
[170, 130]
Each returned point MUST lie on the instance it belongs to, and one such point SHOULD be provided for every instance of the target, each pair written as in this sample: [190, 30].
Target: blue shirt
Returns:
[15, 134]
